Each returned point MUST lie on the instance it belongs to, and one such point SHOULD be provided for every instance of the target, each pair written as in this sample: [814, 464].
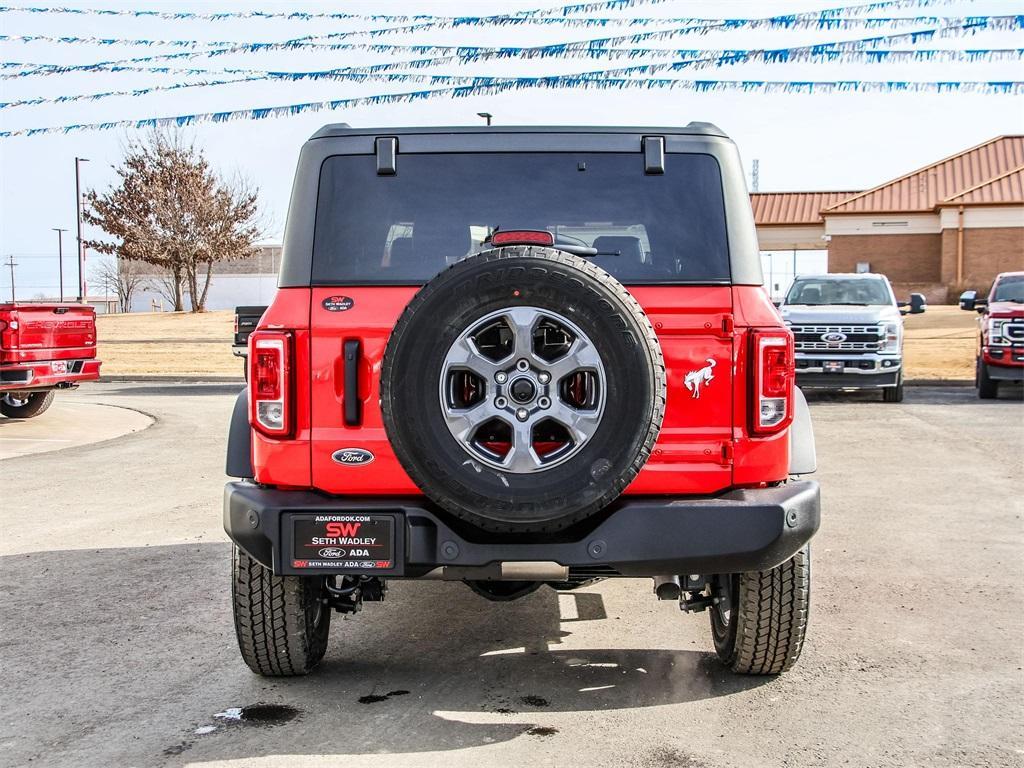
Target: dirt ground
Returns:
[117, 646]
[939, 344]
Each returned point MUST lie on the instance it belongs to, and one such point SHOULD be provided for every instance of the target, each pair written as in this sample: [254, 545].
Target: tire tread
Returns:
[270, 620]
[772, 617]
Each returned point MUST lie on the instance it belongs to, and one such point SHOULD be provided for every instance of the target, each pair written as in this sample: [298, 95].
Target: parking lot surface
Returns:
[118, 649]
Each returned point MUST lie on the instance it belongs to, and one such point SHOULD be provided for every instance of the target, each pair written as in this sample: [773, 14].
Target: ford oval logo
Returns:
[834, 337]
[352, 457]
[331, 553]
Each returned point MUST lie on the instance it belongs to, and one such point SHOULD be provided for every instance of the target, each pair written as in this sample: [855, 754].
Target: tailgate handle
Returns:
[352, 352]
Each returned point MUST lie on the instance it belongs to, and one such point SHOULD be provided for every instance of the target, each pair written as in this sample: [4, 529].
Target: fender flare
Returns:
[239, 459]
[803, 457]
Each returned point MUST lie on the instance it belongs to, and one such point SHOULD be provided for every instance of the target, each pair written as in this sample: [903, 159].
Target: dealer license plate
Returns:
[343, 541]
[59, 366]
[833, 366]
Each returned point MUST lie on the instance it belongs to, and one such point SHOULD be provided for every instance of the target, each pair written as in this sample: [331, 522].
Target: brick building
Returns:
[950, 225]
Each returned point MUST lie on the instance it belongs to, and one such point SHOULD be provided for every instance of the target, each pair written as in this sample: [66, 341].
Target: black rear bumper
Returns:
[743, 530]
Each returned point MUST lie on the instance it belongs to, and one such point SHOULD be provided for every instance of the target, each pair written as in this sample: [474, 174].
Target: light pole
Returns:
[60, 258]
[486, 116]
[12, 264]
[78, 220]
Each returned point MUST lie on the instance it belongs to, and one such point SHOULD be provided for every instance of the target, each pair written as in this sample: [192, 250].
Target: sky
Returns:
[845, 141]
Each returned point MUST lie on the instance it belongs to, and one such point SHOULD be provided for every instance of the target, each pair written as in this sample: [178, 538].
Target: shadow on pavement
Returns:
[118, 656]
[183, 389]
[923, 395]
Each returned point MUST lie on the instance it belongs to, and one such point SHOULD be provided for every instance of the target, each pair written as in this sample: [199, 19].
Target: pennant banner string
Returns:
[513, 84]
[238, 46]
[955, 26]
[603, 5]
[692, 59]
[552, 13]
[593, 48]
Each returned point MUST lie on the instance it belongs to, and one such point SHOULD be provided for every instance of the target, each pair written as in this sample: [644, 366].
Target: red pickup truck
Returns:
[1001, 333]
[44, 347]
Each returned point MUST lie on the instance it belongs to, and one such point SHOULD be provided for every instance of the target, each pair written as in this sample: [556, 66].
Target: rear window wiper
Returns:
[580, 250]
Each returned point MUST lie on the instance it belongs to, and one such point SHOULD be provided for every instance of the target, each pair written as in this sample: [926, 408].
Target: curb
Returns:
[939, 383]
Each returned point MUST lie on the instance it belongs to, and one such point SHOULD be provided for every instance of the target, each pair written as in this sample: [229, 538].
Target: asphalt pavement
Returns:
[117, 647]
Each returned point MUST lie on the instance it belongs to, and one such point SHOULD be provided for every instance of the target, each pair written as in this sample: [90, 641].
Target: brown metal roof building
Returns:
[954, 223]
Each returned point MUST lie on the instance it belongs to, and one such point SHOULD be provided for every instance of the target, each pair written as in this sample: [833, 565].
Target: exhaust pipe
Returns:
[667, 587]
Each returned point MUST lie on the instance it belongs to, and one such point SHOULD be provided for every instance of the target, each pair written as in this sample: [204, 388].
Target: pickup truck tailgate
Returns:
[47, 332]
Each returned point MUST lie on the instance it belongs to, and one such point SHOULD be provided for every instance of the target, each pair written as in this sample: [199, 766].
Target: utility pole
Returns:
[755, 175]
[78, 220]
[486, 116]
[60, 258]
[12, 264]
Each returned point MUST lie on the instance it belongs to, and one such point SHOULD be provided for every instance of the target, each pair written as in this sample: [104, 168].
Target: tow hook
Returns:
[347, 594]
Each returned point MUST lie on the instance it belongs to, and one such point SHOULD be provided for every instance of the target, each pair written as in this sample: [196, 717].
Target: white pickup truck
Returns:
[848, 331]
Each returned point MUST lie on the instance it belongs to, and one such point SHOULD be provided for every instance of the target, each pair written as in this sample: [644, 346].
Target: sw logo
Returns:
[702, 376]
[343, 530]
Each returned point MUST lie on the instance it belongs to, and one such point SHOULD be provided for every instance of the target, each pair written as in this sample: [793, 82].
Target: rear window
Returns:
[439, 208]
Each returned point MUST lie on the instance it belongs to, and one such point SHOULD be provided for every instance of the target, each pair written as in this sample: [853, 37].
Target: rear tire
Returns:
[281, 623]
[894, 394]
[988, 389]
[15, 406]
[763, 632]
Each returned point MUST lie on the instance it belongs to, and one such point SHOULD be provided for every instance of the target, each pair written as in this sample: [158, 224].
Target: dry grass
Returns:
[168, 344]
[939, 344]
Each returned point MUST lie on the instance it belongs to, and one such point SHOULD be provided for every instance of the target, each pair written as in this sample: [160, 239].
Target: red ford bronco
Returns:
[44, 347]
[1001, 333]
[518, 357]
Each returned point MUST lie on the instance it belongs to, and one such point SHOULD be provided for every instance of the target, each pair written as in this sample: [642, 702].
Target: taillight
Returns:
[9, 334]
[270, 382]
[773, 372]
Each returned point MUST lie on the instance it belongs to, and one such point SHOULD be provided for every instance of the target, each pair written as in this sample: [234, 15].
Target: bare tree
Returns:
[120, 278]
[172, 211]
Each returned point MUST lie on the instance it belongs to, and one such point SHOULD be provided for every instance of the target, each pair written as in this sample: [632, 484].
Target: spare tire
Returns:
[523, 389]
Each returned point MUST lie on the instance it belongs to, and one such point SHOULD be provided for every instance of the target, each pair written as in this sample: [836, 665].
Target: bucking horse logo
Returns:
[694, 379]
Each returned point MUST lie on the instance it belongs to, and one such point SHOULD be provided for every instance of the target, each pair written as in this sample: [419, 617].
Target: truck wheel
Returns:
[762, 630]
[523, 389]
[25, 406]
[280, 621]
[988, 389]
[894, 394]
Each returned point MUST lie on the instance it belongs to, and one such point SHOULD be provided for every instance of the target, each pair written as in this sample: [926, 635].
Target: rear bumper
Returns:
[40, 376]
[743, 530]
[846, 380]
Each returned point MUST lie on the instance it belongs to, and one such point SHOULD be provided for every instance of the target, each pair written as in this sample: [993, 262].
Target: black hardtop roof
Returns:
[693, 129]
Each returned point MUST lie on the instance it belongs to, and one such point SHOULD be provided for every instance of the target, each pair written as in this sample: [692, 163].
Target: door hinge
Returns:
[728, 325]
[727, 453]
